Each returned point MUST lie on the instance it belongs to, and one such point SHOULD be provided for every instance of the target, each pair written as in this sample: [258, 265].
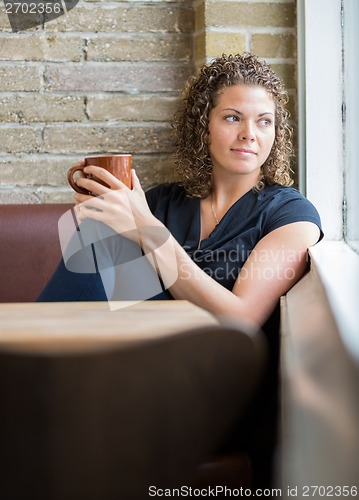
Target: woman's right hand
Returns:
[117, 206]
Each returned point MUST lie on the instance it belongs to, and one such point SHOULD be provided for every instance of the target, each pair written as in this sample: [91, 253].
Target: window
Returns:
[328, 71]
[328, 101]
[320, 110]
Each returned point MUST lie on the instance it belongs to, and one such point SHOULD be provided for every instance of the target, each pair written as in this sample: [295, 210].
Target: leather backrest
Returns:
[29, 249]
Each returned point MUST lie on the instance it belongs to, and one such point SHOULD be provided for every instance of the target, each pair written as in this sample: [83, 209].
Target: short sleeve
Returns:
[288, 206]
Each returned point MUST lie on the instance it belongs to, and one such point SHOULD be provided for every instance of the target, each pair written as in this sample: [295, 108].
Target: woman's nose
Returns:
[247, 132]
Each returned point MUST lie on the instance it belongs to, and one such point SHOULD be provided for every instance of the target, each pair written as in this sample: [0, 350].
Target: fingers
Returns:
[82, 198]
[89, 202]
[95, 176]
[104, 175]
[92, 186]
[83, 212]
[135, 180]
[80, 213]
[111, 198]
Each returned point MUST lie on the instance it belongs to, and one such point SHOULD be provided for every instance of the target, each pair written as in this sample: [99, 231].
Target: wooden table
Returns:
[71, 325]
[99, 404]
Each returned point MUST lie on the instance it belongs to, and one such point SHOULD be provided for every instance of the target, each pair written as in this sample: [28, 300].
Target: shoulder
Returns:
[288, 198]
[281, 194]
[284, 205]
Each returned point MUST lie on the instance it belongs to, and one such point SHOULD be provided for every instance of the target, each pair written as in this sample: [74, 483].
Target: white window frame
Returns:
[320, 110]
[323, 157]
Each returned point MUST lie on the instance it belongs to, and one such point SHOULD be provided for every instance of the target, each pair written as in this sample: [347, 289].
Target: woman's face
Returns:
[241, 130]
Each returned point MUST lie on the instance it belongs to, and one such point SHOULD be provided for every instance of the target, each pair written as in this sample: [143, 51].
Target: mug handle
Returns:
[71, 181]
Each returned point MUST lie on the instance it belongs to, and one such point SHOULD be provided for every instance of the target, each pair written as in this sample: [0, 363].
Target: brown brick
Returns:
[4, 20]
[142, 47]
[108, 18]
[274, 45]
[36, 170]
[115, 77]
[19, 139]
[63, 48]
[200, 48]
[154, 169]
[287, 73]
[8, 195]
[200, 21]
[5, 26]
[41, 108]
[51, 170]
[163, 2]
[292, 105]
[26, 47]
[227, 14]
[89, 138]
[20, 78]
[131, 108]
[224, 43]
[15, 47]
[56, 195]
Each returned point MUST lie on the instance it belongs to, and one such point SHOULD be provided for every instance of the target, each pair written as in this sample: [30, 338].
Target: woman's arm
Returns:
[276, 263]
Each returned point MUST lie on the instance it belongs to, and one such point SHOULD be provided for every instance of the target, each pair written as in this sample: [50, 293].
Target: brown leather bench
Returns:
[29, 249]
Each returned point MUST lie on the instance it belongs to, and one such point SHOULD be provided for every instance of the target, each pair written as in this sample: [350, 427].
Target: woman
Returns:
[235, 232]
[238, 234]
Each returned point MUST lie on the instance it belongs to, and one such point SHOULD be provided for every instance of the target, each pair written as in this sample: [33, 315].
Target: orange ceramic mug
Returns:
[118, 165]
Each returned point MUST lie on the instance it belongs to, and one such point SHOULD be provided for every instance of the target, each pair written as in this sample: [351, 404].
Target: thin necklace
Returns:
[213, 211]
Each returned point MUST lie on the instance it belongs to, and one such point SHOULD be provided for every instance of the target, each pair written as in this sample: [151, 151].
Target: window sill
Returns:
[319, 373]
[337, 267]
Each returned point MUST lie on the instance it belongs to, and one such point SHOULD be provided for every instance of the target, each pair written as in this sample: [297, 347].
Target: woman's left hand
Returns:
[121, 208]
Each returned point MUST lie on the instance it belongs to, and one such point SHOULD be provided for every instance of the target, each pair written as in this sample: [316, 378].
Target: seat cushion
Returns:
[29, 249]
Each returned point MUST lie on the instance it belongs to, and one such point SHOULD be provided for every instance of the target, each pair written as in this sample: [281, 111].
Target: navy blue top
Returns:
[251, 217]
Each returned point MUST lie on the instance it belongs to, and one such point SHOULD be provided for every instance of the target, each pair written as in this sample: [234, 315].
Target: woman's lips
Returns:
[243, 151]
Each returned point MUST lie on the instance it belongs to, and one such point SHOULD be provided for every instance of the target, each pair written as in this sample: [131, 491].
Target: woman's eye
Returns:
[231, 118]
[266, 121]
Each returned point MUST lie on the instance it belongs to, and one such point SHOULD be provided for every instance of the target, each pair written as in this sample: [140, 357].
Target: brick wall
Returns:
[106, 77]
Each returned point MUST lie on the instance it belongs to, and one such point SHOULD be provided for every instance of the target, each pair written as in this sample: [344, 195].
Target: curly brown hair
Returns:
[200, 96]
